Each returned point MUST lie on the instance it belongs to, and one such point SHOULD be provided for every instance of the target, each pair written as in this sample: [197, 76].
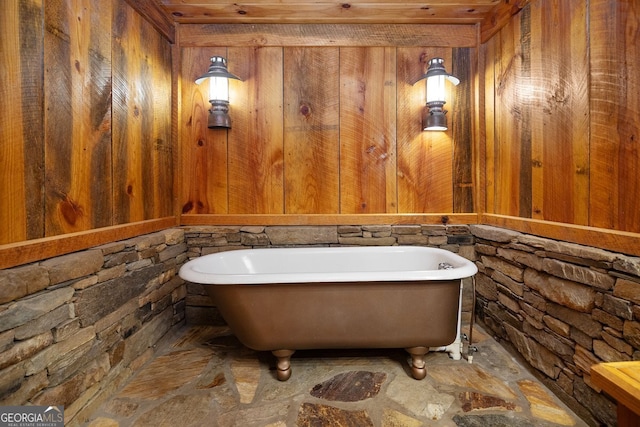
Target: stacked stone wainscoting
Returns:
[75, 327]
[563, 307]
[203, 240]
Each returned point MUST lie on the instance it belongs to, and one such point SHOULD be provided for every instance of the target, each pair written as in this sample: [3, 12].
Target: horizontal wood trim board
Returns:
[311, 219]
[617, 241]
[14, 254]
[359, 35]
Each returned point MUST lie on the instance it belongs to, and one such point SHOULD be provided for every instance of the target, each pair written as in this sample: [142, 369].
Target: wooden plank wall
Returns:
[91, 148]
[21, 125]
[142, 144]
[77, 116]
[312, 134]
[326, 127]
[614, 195]
[562, 115]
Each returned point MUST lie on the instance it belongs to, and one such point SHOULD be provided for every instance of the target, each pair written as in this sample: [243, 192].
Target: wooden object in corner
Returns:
[621, 380]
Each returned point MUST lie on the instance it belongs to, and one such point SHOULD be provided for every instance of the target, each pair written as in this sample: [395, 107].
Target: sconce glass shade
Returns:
[219, 88]
[434, 116]
[435, 89]
[218, 76]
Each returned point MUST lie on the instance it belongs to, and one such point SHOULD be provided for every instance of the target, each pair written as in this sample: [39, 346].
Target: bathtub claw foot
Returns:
[418, 364]
[283, 365]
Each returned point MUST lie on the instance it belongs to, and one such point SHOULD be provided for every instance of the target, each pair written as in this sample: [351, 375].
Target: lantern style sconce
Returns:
[218, 76]
[434, 114]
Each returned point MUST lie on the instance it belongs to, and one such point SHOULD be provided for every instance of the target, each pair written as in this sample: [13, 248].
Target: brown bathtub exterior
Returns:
[282, 318]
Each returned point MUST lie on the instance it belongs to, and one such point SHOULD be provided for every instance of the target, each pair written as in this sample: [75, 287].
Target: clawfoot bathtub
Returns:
[287, 299]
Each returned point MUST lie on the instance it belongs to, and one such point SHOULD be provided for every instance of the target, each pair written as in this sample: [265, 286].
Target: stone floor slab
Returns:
[422, 400]
[543, 405]
[473, 377]
[350, 386]
[474, 401]
[312, 415]
[246, 375]
[182, 410]
[167, 373]
[393, 418]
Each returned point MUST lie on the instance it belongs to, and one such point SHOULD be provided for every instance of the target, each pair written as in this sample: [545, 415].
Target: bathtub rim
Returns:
[192, 271]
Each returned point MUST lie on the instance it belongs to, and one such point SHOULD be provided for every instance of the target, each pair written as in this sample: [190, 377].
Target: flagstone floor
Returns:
[202, 376]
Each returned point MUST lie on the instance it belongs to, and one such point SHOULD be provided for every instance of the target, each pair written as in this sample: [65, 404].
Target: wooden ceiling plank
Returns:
[328, 12]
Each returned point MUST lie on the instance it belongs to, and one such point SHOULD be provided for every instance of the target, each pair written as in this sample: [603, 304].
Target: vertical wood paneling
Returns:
[390, 118]
[564, 99]
[141, 119]
[539, 168]
[337, 153]
[536, 69]
[508, 116]
[462, 125]
[128, 104]
[159, 179]
[155, 13]
[412, 151]
[336, 150]
[32, 104]
[488, 152]
[425, 167]
[311, 123]
[177, 106]
[438, 174]
[522, 74]
[256, 140]
[577, 98]
[21, 127]
[12, 163]
[368, 130]
[614, 197]
[204, 166]
[56, 153]
[77, 115]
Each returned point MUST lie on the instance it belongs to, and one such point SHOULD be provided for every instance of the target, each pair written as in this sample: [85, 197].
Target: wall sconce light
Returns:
[218, 76]
[434, 117]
